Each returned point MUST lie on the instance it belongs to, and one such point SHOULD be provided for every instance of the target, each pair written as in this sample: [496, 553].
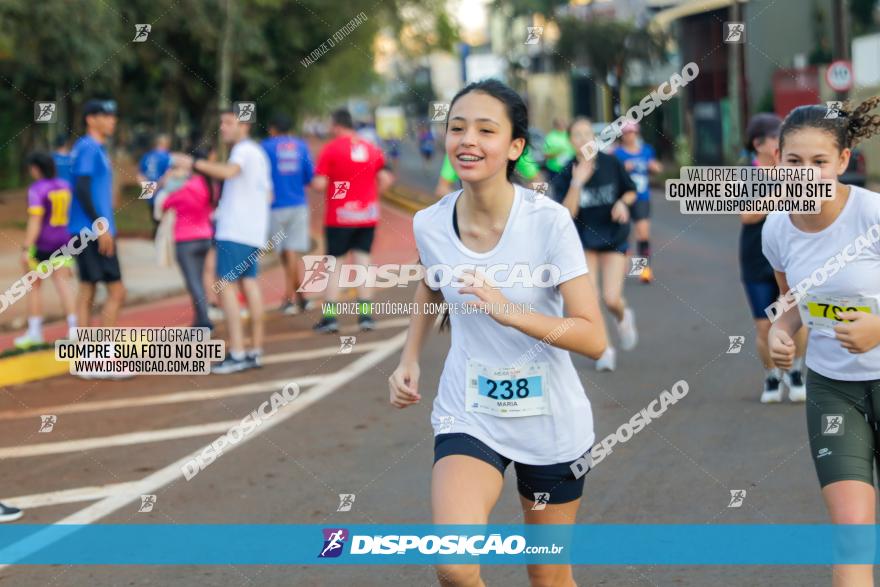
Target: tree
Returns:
[607, 46]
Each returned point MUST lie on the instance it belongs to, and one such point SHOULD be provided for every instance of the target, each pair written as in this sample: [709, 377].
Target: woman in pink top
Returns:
[193, 204]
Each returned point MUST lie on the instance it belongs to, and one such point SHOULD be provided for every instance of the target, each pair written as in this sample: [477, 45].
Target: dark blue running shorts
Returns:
[558, 480]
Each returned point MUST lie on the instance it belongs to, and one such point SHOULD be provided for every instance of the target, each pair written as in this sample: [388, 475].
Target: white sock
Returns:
[35, 326]
[797, 364]
[772, 372]
[257, 352]
[237, 356]
[71, 320]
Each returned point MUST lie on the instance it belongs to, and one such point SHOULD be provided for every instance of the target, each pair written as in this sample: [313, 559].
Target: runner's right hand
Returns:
[403, 385]
[106, 244]
[781, 348]
[583, 171]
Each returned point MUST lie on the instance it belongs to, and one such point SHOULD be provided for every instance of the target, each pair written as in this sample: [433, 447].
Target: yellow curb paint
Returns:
[31, 367]
[400, 199]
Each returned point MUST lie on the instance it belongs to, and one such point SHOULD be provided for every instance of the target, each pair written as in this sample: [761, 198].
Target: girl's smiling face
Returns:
[478, 137]
[814, 147]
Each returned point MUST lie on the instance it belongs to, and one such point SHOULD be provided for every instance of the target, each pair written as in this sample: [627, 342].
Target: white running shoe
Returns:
[772, 393]
[27, 340]
[626, 329]
[215, 314]
[608, 360]
[797, 391]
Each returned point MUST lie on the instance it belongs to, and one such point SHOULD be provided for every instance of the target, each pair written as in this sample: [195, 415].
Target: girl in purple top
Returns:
[48, 213]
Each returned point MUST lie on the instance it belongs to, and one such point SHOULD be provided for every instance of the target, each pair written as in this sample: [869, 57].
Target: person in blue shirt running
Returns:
[292, 170]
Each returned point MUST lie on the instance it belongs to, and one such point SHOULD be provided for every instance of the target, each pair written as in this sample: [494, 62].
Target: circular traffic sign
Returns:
[839, 76]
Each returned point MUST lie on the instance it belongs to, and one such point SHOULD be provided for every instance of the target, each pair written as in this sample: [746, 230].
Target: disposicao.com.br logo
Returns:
[319, 269]
[450, 544]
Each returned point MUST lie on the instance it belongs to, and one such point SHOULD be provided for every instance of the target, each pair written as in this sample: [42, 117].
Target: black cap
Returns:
[99, 107]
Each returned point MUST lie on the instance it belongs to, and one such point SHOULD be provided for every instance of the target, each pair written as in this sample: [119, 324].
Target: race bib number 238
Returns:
[507, 392]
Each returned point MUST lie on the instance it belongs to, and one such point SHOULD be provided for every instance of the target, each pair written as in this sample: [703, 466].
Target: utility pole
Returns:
[840, 25]
[735, 84]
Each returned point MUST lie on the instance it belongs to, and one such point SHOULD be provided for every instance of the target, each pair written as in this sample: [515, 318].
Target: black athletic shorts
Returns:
[342, 239]
[640, 210]
[557, 480]
[95, 267]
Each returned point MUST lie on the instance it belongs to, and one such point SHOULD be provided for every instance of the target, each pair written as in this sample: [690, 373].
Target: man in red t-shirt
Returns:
[352, 171]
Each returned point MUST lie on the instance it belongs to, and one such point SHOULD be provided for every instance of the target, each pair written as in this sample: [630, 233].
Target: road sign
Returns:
[839, 76]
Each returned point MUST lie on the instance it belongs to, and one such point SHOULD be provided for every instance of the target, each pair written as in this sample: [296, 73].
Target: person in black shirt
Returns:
[598, 192]
[759, 280]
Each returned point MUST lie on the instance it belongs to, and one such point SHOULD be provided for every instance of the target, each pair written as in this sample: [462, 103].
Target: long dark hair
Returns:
[213, 191]
[519, 122]
[513, 105]
[851, 125]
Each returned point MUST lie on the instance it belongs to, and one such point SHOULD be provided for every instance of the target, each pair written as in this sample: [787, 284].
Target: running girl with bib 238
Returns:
[837, 252]
[509, 391]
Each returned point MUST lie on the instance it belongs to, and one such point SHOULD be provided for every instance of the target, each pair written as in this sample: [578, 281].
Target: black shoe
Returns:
[231, 365]
[326, 325]
[366, 322]
[9, 513]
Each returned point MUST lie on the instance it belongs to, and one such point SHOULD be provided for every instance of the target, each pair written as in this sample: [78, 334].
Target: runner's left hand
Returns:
[491, 301]
[861, 335]
[620, 212]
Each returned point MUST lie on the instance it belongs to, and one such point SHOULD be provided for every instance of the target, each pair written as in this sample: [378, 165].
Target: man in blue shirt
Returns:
[291, 171]
[93, 186]
[62, 158]
[156, 162]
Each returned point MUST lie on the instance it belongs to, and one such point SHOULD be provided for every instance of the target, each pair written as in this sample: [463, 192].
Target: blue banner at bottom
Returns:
[426, 544]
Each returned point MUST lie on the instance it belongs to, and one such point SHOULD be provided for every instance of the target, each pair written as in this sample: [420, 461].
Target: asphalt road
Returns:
[343, 437]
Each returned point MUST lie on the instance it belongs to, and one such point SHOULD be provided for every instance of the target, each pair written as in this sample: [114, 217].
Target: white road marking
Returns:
[95, 492]
[359, 347]
[152, 483]
[66, 446]
[153, 400]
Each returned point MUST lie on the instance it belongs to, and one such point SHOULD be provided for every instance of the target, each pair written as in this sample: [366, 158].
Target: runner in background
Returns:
[640, 161]
[598, 193]
[242, 230]
[193, 233]
[426, 145]
[557, 149]
[291, 173]
[759, 280]
[523, 356]
[843, 354]
[62, 158]
[48, 214]
[351, 171]
[93, 198]
[528, 171]
[153, 166]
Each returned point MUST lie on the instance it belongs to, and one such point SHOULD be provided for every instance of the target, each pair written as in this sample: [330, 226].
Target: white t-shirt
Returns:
[243, 213]
[798, 254]
[538, 231]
